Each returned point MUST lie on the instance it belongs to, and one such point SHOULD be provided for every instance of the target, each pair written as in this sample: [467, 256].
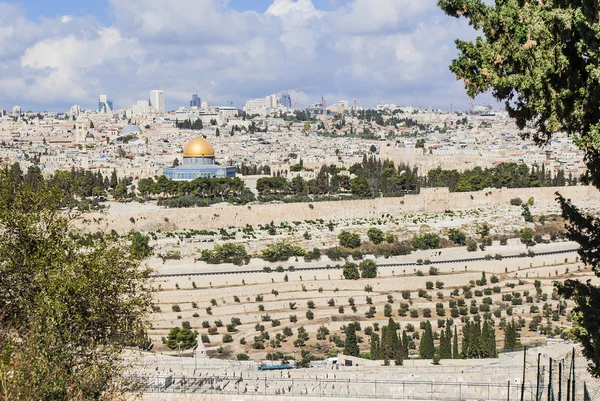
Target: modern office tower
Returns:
[105, 105]
[286, 100]
[157, 101]
[16, 111]
[196, 101]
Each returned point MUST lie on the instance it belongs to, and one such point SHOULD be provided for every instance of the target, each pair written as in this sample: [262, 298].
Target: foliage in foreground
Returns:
[541, 59]
[67, 309]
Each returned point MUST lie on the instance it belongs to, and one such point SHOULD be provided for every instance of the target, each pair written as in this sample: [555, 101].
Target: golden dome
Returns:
[198, 147]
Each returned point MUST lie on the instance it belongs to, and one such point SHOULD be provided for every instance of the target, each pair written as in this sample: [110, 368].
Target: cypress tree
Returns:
[510, 335]
[475, 337]
[426, 348]
[466, 330]
[113, 179]
[484, 341]
[404, 344]
[442, 347]
[398, 350]
[351, 345]
[455, 353]
[375, 346]
[448, 347]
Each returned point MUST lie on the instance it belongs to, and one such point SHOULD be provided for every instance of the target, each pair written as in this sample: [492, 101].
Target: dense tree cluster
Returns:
[390, 346]
[188, 124]
[384, 178]
[509, 175]
[253, 170]
[226, 253]
[478, 341]
[281, 251]
[198, 192]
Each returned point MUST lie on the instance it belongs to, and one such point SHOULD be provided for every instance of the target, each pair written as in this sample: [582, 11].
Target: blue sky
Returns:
[54, 54]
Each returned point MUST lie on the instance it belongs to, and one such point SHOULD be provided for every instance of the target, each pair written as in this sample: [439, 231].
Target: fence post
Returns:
[507, 391]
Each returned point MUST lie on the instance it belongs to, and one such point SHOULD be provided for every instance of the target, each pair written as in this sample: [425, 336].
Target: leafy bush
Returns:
[349, 240]
[281, 251]
[226, 253]
[368, 268]
[375, 235]
[457, 236]
[426, 241]
[350, 271]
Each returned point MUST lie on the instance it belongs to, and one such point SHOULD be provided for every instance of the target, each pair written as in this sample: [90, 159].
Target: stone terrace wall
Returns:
[431, 200]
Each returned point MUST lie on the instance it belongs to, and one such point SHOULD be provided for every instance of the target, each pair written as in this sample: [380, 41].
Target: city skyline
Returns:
[391, 51]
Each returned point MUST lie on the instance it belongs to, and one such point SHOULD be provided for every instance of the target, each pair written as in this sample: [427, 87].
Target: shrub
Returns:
[439, 285]
[176, 308]
[426, 241]
[281, 251]
[242, 357]
[434, 271]
[350, 271]
[375, 235]
[406, 294]
[471, 246]
[310, 304]
[349, 240]
[227, 338]
[310, 315]
[516, 201]
[457, 236]
[368, 268]
[429, 285]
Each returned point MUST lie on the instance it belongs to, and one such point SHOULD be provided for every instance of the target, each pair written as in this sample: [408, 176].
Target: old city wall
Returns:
[431, 200]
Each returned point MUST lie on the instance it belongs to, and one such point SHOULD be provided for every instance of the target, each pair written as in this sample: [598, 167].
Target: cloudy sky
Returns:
[54, 54]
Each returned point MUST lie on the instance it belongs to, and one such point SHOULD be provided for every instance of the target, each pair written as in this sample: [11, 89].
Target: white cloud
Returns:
[392, 50]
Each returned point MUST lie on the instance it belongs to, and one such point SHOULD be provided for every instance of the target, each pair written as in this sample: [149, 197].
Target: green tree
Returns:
[455, 353]
[375, 235]
[113, 179]
[526, 52]
[426, 241]
[67, 309]
[350, 271]
[121, 190]
[348, 239]
[368, 268]
[457, 236]
[359, 186]
[511, 336]
[181, 338]
[139, 245]
[427, 348]
[375, 346]
[351, 344]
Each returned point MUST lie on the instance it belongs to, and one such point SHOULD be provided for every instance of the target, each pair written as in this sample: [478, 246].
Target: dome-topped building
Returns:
[198, 147]
[198, 162]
